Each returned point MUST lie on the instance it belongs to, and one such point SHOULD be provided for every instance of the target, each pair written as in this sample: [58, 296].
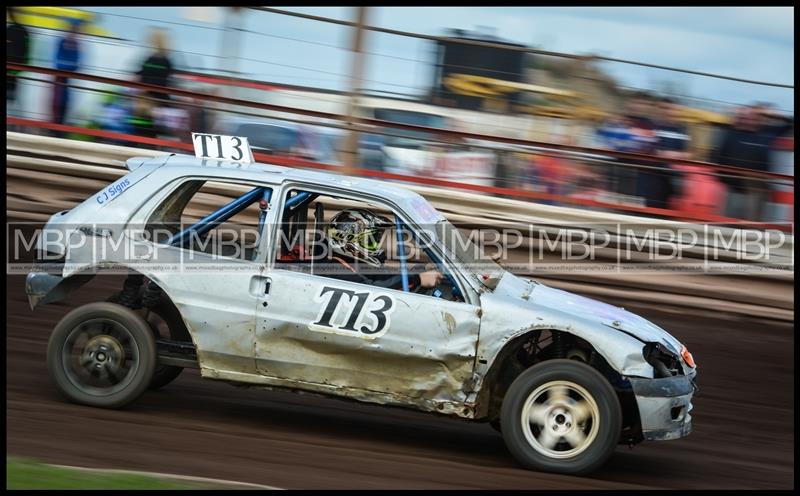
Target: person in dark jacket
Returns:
[17, 52]
[68, 58]
[641, 126]
[773, 125]
[746, 144]
[353, 236]
[157, 68]
[672, 143]
[641, 138]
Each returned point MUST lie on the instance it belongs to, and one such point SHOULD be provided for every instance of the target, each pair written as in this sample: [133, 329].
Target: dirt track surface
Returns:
[743, 422]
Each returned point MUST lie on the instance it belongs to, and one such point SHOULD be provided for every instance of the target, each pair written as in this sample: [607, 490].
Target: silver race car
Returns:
[217, 272]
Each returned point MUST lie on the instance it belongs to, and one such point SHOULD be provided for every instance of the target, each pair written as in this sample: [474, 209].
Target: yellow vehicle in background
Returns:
[59, 18]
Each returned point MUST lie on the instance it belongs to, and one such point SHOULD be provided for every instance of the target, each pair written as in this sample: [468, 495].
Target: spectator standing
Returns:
[642, 128]
[615, 134]
[157, 68]
[672, 134]
[17, 52]
[746, 144]
[672, 143]
[773, 125]
[634, 132]
[68, 58]
[160, 113]
[643, 141]
[696, 191]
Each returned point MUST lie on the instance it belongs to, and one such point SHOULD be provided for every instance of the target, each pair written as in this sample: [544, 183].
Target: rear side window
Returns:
[196, 200]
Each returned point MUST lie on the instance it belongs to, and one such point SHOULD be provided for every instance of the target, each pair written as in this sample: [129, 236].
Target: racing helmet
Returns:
[357, 233]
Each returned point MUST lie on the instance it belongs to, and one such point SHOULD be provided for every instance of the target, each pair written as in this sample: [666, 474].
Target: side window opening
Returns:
[307, 242]
[214, 217]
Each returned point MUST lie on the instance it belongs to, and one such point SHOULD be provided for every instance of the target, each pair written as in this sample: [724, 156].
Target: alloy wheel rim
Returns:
[560, 419]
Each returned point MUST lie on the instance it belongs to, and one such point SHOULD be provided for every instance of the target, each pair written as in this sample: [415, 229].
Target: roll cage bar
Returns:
[263, 195]
[222, 214]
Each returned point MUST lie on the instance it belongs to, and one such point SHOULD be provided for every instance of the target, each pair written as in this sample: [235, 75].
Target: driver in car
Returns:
[353, 236]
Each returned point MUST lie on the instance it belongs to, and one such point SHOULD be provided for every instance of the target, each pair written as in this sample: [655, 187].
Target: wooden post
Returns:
[229, 48]
[356, 76]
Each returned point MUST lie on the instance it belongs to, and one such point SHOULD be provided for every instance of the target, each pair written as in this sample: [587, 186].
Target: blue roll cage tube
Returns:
[300, 199]
[222, 214]
[401, 251]
[263, 215]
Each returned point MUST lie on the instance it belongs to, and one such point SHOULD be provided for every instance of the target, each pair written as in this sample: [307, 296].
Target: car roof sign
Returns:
[221, 147]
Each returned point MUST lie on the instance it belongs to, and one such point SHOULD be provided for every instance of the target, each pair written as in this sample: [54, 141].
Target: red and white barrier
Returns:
[780, 208]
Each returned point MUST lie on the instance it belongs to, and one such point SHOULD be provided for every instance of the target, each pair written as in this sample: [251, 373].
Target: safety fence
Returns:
[509, 153]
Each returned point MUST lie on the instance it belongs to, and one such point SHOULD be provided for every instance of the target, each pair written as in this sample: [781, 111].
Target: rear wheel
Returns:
[561, 416]
[102, 354]
[166, 322]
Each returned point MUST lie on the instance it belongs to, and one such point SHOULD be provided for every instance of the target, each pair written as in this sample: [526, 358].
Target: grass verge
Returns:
[24, 473]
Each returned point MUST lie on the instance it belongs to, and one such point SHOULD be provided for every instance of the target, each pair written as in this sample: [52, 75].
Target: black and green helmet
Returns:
[357, 233]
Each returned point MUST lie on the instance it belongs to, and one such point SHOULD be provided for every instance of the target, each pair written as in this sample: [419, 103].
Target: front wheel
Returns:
[561, 416]
[102, 354]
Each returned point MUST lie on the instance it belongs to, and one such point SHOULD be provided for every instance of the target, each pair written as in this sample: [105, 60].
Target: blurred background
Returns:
[584, 115]
[665, 112]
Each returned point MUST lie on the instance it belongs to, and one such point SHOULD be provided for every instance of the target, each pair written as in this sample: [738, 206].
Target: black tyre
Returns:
[102, 354]
[561, 416]
[163, 375]
[165, 321]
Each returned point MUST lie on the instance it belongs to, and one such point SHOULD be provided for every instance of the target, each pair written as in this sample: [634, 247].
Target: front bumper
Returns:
[664, 406]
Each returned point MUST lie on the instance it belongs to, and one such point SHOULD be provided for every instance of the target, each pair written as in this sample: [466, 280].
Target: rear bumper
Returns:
[38, 285]
[44, 287]
[664, 406]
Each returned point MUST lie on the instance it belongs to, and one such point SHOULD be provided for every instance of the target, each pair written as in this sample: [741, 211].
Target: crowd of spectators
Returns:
[130, 111]
[656, 127]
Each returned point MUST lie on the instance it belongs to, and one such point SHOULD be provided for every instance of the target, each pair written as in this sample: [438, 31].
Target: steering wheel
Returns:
[446, 290]
[436, 292]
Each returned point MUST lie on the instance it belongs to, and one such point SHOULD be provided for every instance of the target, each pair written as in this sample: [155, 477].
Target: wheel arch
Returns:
[44, 288]
[517, 355]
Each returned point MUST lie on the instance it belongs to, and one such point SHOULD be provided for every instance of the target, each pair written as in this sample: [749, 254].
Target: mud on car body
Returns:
[564, 378]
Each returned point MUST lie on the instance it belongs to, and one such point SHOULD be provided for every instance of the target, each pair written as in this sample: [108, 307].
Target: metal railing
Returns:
[502, 146]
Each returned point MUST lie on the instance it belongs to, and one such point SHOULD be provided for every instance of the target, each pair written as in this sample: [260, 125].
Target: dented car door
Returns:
[362, 339]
